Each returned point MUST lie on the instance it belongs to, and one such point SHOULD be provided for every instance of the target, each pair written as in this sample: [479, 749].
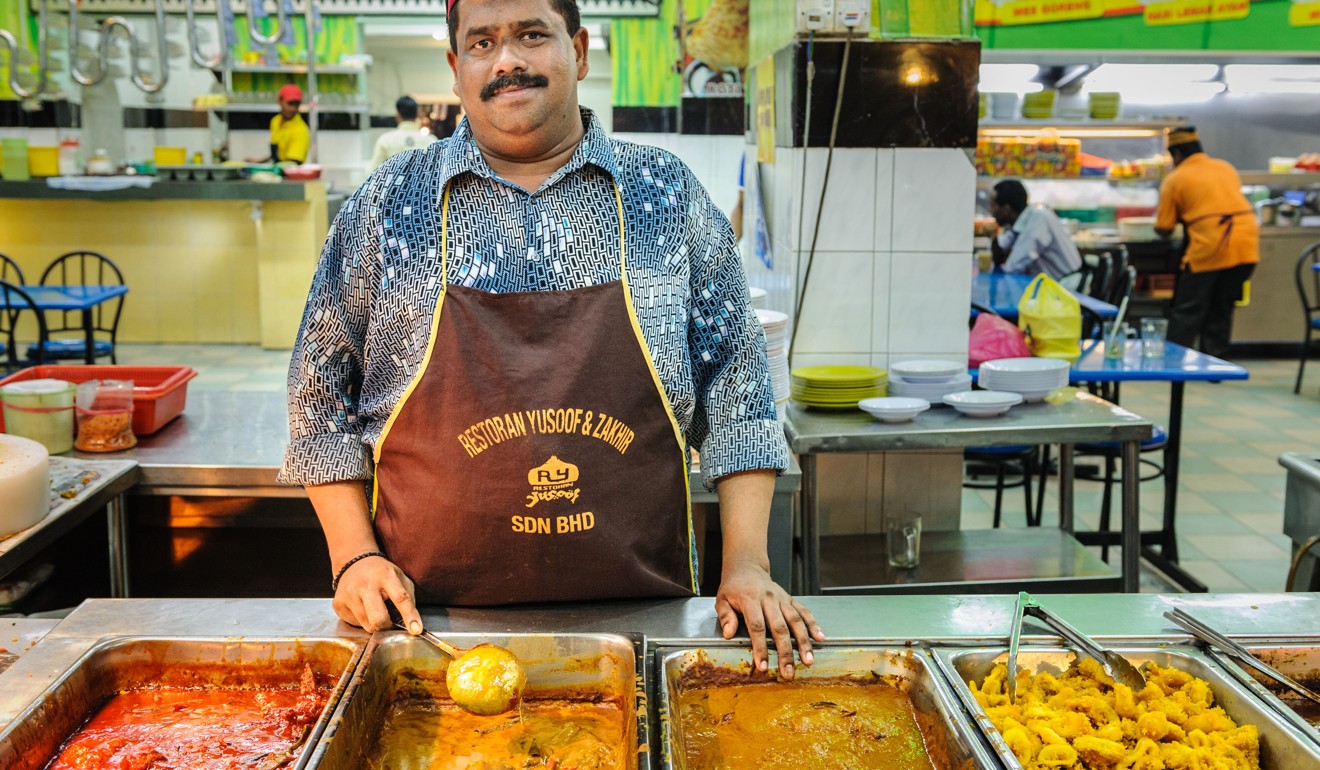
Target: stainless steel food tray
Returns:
[911, 668]
[1282, 747]
[1301, 661]
[202, 172]
[611, 663]
[121, 663]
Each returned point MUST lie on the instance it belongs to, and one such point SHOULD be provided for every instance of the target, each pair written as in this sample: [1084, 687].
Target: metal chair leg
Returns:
[999, 492]
[1301, 365]
[1106, 502]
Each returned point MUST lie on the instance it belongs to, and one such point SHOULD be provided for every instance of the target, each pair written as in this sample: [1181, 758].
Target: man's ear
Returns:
[580, 52]
[452, 58]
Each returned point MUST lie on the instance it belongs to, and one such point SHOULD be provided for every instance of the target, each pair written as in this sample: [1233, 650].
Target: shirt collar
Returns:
[1025, 218]
[461, 154]
[409, 125]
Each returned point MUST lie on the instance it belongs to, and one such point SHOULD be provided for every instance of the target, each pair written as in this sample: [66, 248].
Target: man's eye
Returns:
[481, 45]
[533, 35]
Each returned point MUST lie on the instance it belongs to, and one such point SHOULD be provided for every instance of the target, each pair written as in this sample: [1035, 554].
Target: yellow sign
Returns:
[1304, 13]
[1173, 12]
[765, 110]
[1014, 12]
[1228, 10]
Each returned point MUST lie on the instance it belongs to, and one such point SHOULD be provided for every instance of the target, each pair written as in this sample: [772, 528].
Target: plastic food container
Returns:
[105, 416]
[41, 410]
[170, 156]
[159, 392]
[44, 161]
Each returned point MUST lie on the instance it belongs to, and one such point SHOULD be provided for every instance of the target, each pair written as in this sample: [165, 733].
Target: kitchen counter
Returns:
[966, 618]
[228, 189]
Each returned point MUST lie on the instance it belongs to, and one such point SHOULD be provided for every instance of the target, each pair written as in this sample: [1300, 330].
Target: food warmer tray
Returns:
[912, 665]
[1297, 659]
[202, 172]
[1282, 746]
[33, 738]
[612, 663]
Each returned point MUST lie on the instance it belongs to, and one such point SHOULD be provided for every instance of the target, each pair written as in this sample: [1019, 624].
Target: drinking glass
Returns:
[903, 539]
[1153, 333]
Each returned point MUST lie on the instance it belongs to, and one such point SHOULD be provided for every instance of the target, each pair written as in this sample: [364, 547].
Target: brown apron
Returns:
[1225, 221]
[534, 457]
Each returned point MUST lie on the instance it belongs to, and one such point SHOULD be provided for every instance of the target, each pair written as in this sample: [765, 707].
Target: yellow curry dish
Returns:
[1084, 720]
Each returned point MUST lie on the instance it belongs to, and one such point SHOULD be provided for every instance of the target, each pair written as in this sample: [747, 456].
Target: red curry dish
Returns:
[199, 728]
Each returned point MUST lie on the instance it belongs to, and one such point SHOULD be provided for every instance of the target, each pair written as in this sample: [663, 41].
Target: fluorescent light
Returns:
[1078, 133]
[440, 34]
[1273, 78]
[1008, 77]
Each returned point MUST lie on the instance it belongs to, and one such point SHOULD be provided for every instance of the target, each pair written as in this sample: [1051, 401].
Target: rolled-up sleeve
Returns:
[734, 425]
[325, 373]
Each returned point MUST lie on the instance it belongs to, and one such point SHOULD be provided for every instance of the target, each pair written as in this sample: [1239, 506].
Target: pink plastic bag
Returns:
[993, 337]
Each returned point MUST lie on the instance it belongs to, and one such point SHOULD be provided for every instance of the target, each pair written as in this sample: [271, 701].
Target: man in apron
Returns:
[1221, 238]
[512, 340]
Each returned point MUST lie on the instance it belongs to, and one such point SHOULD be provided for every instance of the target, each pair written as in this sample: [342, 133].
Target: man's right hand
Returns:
[363, 589]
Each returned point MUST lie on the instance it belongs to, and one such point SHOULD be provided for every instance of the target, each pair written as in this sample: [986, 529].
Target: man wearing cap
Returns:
[1221, 242]
[289, 135]
[513, 340]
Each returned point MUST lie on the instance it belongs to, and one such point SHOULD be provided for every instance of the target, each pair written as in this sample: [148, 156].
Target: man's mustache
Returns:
[516, 80]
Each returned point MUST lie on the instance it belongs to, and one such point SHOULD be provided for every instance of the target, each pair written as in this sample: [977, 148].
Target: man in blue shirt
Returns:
[1033, 240]
[516, 335]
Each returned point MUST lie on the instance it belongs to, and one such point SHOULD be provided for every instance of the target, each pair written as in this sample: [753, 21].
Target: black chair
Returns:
[10, 271]
[16, 302]
[1096, 273]
[1121, 263]
[93, 269]
[1308, 288]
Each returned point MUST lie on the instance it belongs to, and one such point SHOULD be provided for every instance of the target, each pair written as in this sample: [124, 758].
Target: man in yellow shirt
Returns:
[290, 137]
[1222, 243]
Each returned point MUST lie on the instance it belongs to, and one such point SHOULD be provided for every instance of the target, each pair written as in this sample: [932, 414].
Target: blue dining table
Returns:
[1001, 292]
[1178, 366]
[73, 298]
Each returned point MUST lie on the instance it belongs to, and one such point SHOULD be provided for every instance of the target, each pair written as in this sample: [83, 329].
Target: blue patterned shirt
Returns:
[368, 317]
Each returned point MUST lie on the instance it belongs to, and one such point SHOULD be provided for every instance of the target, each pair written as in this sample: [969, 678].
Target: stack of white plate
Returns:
[775, 325]
[1033, 378]
[758, 297]
[928, 380]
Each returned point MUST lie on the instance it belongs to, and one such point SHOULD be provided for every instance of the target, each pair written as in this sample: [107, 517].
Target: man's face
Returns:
[289, 108]
[516, 67]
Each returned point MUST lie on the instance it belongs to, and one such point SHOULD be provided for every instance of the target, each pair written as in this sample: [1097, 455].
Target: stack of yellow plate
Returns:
[1104, 105]
[837, 387]
[1039, 104]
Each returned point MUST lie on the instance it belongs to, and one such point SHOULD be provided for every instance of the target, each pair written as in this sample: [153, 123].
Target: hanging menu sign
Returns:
[1163, 14]
[1304, 13]
[1013, 12]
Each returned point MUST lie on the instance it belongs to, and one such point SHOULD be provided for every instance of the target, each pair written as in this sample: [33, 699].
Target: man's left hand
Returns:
[747, 590]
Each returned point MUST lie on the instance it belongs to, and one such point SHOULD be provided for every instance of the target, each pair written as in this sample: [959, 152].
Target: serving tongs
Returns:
[1115, 666]
[1237, 652]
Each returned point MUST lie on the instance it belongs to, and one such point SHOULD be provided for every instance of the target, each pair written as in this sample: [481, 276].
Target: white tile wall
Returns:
[848, 219]
[933, 200]
[838, 305]
[927, 303]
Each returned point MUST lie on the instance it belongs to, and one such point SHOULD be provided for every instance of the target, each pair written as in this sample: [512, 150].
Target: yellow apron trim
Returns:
[660, 388]
[430, 347]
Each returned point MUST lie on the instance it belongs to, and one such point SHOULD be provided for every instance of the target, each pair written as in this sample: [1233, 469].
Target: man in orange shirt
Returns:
[1222, 243]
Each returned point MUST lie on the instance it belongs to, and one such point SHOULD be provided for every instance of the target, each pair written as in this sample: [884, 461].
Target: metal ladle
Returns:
[1115, 666]
[485, 680]
[1236, 651]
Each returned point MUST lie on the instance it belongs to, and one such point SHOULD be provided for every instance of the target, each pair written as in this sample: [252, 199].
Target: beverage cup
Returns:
[1115, 339]
[1153, 333]
[903, 539]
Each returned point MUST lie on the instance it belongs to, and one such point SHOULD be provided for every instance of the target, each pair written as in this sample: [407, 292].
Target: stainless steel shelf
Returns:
[1152, 124]
[297, 69]
[360, 109]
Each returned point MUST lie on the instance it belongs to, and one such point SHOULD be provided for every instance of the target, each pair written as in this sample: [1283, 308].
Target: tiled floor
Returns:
[1230, 499]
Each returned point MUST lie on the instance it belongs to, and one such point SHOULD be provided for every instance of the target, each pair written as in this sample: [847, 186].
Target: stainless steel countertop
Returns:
[164, 190]
[1082, 418]
[674, 621]
[232, 443]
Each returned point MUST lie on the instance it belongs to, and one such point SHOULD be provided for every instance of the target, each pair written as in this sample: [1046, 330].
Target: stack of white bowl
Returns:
[1033, 378]
[758, 297]
[775, 325]
[930, 380]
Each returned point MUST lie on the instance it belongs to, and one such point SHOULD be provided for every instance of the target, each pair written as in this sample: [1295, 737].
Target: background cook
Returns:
[516, 285]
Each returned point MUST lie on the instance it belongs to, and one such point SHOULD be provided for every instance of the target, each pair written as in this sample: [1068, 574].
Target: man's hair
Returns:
[568, 9]
[1185, 150]
[1013, 194]
[406, 106]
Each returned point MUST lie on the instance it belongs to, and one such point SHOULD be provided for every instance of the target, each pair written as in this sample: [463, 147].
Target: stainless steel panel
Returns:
[607, 663]
[1301, 662]
[118, 664]
[912, 669]
[1281, 746]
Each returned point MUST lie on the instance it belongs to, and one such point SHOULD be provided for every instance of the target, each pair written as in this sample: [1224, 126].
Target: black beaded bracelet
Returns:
[334, 583]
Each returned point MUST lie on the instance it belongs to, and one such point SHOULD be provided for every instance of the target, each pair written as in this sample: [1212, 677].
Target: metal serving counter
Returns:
[663, 623]
[231, 444]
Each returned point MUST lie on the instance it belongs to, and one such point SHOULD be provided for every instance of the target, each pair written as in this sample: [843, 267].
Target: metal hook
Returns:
[195, 48]
[281, 18]
[103, 49]
[8, 40]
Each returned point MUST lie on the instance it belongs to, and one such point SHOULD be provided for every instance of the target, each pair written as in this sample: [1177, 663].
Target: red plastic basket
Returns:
[159, 392]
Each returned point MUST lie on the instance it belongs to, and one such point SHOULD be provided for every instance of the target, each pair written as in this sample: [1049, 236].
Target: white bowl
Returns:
[928, 371]
[892, 408]
[1032, 365]
[982, 403]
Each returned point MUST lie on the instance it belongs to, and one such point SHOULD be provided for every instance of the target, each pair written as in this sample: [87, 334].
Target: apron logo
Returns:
[553, 480]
